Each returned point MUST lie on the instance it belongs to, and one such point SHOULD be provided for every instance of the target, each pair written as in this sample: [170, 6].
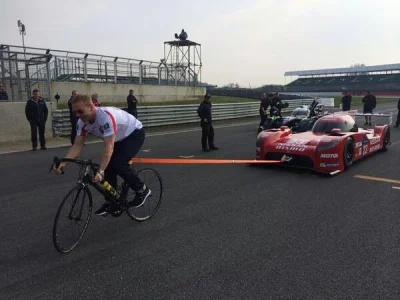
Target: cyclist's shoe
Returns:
[141, 197]
[104, 210]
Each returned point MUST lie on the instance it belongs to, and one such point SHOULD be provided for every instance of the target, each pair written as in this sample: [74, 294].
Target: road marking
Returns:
[377, 178]
[146, 150]
[190, 156]
[396, 187]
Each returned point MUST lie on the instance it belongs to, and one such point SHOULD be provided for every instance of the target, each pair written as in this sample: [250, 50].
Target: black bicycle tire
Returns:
[69, 249]
[129, 212]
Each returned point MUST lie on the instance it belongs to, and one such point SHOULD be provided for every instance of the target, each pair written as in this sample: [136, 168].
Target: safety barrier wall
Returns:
[152, 116]
[13, 123]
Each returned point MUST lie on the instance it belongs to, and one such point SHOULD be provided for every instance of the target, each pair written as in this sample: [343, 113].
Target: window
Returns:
[300, 112]
[326, 126]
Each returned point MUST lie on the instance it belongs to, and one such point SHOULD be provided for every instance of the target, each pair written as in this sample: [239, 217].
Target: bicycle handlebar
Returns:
[88, 162]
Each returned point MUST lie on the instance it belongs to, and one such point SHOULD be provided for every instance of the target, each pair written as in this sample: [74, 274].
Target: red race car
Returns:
[332, 145]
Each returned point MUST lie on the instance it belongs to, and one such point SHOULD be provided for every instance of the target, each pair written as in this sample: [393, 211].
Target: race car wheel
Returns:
[348, 153]
[386, 139]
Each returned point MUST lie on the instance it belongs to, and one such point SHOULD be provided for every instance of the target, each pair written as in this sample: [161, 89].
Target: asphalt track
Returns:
[223, 231]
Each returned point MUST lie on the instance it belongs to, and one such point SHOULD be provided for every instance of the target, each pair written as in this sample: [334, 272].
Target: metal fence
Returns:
[152, 116]
[23, 71]
[24, 68]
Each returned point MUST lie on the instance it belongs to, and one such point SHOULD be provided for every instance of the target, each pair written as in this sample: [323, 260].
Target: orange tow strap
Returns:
[200, 161]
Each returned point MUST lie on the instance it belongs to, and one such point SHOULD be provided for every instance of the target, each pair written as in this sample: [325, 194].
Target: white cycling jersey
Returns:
[109, 121]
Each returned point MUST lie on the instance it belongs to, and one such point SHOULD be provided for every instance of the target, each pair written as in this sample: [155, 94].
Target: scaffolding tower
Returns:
[182, 61]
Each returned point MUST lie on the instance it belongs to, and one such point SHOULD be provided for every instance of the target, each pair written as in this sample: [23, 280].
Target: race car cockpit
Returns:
[327, 125]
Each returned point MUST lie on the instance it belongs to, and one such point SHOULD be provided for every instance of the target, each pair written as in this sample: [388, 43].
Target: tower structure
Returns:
[182, 61]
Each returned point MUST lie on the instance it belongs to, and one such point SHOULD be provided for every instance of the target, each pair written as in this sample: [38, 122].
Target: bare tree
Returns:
[356, 66]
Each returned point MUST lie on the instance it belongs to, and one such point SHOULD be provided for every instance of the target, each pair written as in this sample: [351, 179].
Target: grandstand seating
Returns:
[380, 82]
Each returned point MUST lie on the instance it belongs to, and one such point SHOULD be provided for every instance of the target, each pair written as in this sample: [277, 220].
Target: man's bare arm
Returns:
[107, 152]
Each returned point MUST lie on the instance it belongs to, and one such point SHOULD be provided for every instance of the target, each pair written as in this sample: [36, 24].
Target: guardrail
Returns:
[162, 115]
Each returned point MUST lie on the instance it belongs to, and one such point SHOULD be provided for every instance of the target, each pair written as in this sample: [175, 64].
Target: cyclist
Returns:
[123, 136]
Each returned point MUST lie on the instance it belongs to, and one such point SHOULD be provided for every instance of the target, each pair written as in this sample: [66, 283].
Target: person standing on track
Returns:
[36, 113]
[204, 112]
[398, 115]
[369, 105]
[346, 102]
[264, 103]
[72, 118]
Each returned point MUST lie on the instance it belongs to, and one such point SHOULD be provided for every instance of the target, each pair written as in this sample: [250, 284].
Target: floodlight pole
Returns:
[22, 32]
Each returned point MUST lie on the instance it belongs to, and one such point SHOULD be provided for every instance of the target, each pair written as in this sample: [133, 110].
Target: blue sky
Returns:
[248, 42]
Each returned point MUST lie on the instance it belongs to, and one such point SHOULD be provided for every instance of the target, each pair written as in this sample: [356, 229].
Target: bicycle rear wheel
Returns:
[72, 219]
[153, 181]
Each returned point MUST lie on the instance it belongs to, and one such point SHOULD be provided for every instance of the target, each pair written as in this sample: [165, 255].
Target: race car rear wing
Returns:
[373, 119]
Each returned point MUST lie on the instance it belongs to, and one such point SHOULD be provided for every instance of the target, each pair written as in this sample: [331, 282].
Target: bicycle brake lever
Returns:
[56, 163]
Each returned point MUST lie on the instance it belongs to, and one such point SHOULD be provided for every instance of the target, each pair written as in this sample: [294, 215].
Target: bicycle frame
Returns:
[85, 179]
[119, 203]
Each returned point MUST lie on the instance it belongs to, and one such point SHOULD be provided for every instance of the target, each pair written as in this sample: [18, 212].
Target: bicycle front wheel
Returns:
[153, 181]
[72, 219]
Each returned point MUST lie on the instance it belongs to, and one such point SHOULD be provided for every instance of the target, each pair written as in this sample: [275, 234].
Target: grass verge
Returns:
[357, 100]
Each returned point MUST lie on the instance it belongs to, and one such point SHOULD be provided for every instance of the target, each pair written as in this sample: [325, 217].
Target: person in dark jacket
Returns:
[132, 102]
[204, 112]
[275, 102]
[72, 118]
[264, 103]
[346, 102]
[398, 115]
[36, 113]
[369, 104]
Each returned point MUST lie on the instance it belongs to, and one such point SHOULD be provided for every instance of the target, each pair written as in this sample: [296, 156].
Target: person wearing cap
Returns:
[204, 112]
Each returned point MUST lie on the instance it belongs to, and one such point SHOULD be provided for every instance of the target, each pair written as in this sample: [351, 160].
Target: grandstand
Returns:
[357, 80]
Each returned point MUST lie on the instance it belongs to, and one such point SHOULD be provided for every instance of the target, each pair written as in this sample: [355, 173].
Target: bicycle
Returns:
[119, 198]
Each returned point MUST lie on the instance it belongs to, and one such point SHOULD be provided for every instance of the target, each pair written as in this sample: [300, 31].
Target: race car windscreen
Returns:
[300, 113]
[325, 126]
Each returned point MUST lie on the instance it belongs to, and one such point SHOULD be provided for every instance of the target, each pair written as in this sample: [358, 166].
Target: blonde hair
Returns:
[83, 98]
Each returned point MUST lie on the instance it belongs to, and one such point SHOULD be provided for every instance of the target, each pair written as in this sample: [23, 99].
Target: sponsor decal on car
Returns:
[296, 141]
[329, 155]
[375, 140]
[374, 148]
[290, 148]
[292, 145]
[329, 165]
[358, 145]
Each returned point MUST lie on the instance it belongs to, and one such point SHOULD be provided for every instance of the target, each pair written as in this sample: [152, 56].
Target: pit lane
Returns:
[223, 231]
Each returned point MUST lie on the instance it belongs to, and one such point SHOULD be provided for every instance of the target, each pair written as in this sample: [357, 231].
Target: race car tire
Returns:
[386, 139]
[348, 153]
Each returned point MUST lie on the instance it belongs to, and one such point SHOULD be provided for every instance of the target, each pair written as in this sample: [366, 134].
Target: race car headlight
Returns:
[322, 146]
[260, 137]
